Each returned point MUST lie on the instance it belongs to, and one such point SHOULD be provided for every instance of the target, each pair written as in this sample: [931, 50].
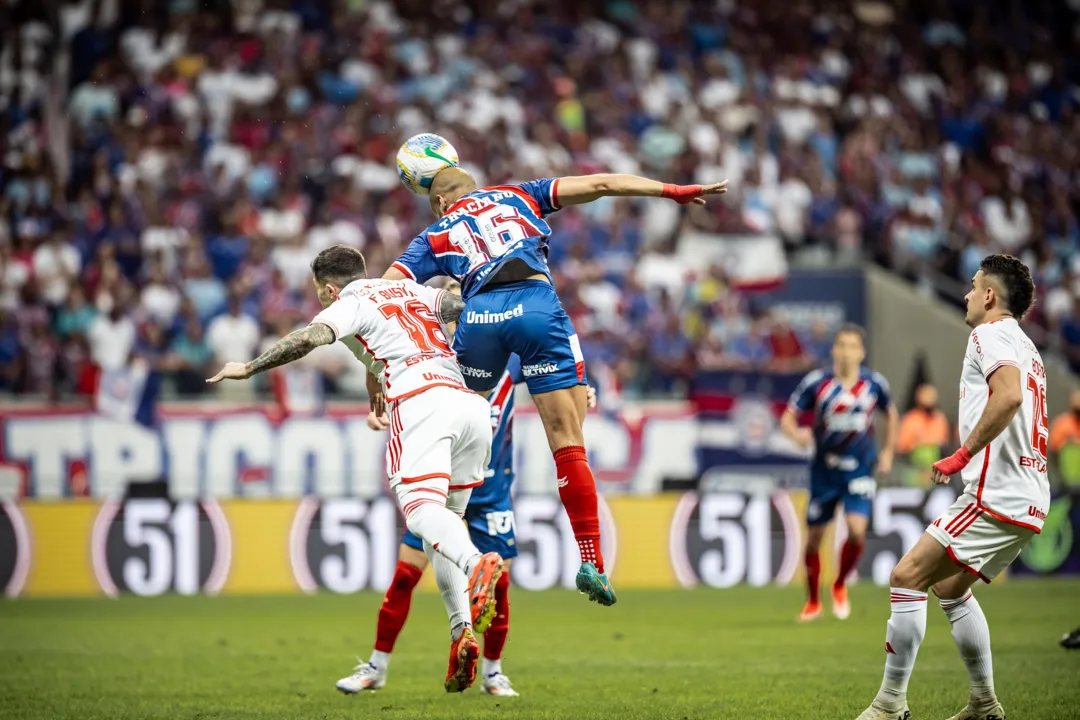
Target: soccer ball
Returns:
[421, 158]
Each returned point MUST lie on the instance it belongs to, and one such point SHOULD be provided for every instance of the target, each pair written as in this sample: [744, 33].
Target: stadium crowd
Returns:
[171, 168]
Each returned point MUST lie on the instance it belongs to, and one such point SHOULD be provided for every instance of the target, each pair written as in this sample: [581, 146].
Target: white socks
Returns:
[972, 637]
[491, 667]
[454, 586]
[443, 529]
[380, 660]
[905, 632]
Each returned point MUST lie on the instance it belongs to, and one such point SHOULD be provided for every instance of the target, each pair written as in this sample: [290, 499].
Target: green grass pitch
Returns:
[657, 654]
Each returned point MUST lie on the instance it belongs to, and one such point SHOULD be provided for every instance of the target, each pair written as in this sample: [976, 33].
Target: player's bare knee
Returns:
[412, 556]
[858, 536]
[563, 427]
[814, 536]
[908, 575]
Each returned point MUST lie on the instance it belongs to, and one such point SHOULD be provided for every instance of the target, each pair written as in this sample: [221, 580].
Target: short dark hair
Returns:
[851, 329]
[339, 263]
[1014, 278]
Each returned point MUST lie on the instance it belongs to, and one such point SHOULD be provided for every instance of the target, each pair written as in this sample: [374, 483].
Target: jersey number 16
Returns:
[419, 322]
[496, 229]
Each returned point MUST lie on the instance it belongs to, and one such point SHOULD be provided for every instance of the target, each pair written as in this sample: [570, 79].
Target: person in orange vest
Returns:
[923, 425]
[1065, 429]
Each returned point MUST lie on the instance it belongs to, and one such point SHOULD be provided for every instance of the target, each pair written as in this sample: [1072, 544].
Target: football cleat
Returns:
[498, 684]
[811, 611]
[594, 583]
[1071, 641]
[461, 672]
[995, 713]
[365, 677]
[841, 608]
[876, 711]
[482, 590]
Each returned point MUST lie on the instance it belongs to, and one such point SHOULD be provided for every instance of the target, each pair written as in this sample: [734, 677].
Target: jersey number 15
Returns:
[1040, 430]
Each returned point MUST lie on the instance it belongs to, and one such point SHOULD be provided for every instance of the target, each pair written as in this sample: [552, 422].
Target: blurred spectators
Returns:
[233, 336]
[170, 168]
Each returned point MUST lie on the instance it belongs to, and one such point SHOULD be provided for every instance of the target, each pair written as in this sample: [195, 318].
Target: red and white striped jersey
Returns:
[393, 327]
[1009, 477]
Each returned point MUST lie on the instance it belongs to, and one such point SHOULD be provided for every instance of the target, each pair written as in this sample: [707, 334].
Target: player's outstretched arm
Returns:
[1006, 397]
[292, 347]
[580, 189]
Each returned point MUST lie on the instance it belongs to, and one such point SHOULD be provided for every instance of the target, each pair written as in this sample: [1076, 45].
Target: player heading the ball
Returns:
[494, 241]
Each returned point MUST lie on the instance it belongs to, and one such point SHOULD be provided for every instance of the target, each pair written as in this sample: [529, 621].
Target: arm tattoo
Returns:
[293, 346]
[450, 308]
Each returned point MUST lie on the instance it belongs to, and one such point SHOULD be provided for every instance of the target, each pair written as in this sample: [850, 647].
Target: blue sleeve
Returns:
[545, 193]
[418, 261]
[881, 386]
[805, 394]
[513, 366]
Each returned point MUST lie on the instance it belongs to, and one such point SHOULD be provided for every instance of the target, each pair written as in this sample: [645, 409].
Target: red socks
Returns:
[577, 490]
[849, 558]
[495, 637]
[395, 607]
[813, 575]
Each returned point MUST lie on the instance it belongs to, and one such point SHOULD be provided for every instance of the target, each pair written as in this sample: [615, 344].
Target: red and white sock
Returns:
[394, 612]
[813, 575]
[577, 490]
[495, 637]
[849, 558]
[904, 634]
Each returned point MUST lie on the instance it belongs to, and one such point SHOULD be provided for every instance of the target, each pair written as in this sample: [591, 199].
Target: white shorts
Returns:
[440, 442]
[977, 542]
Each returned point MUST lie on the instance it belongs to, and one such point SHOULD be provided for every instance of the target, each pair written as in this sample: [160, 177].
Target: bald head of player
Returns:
[333, 269]
[1001, 288]
[447, 187]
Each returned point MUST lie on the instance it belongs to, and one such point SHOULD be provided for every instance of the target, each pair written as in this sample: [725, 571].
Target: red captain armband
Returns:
[954, 463]
[681, 194]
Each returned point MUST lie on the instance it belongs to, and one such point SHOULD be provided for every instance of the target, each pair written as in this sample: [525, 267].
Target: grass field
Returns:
[665, 654]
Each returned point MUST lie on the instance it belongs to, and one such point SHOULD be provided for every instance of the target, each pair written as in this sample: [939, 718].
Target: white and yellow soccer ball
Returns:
[421, 158]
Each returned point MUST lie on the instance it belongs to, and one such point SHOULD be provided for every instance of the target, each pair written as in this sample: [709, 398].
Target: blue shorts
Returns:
[491, 527]
[525, 318]
[828, 486]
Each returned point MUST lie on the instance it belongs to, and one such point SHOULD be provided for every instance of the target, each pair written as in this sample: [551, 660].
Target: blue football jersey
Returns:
[500, 472]
[843, 418]
[483, 231]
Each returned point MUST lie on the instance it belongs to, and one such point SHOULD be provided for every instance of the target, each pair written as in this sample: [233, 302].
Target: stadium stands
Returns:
[172, 167]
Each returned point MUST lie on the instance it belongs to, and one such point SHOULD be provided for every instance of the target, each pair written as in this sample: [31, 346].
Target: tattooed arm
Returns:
[292, 347]
[450, 307]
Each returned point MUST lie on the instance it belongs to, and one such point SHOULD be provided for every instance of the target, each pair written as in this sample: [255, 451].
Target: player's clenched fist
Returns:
[947, 467]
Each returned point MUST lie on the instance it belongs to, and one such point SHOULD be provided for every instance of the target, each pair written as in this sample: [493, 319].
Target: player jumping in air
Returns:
[846, 459]
[494, 241]
[440, 433]
[1006, 493]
